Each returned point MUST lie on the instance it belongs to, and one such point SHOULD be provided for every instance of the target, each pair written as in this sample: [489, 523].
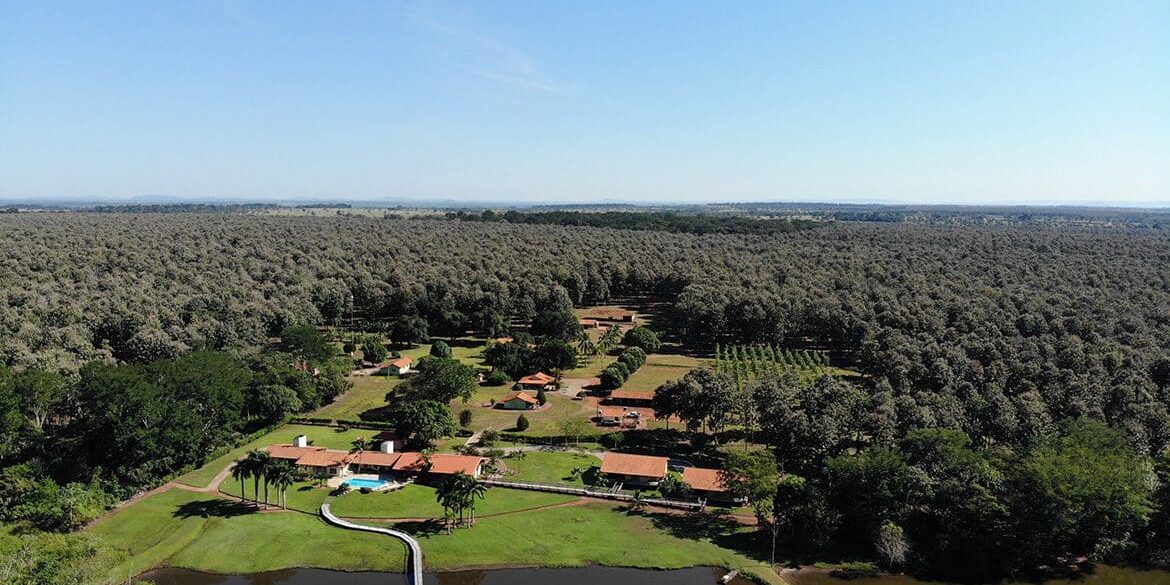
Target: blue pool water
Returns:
[358, 482]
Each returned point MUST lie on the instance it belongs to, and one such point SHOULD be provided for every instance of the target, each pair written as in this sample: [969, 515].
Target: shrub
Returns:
[643, 338]
[348, 347]
[497, 378]
[365, 490]
[489, 438]
[540, 397]
[613, 440]
[440, 349]
[672, 486]
[465, 417]
[522, 423]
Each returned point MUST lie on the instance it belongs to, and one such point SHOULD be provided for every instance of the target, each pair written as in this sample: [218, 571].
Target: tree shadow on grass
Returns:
[212, 508]
[423, 528]
[708, 524]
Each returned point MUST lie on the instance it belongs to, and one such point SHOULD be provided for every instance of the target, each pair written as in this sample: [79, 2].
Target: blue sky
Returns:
[932, 101]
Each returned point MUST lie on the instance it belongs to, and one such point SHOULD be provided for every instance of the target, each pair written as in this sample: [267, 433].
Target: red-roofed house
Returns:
[373, 461]
[397, 367]
[708, 484]
[645, 470]
[536, 381]
[520, 400]
[587, 323]
[631, 397]
[440, 464]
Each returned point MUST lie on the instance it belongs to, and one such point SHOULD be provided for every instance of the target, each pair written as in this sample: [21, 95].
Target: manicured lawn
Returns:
[320, 436]
[549, 467]
[594, 533]
[418, 501]
[200, 531]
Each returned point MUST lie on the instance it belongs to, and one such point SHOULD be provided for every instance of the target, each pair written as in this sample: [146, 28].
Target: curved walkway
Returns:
[411, 543]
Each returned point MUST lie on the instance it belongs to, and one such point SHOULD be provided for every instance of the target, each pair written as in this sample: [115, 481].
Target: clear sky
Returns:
[932, 101]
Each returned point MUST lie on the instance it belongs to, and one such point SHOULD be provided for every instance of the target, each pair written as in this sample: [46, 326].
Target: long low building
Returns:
[335, 462]
[708, 484]
[638, 470]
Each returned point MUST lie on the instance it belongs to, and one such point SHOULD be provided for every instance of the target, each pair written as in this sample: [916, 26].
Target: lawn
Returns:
[418, 501]
[333, 438]
[593, 533]
[199, 531]
[207, 533]
[549, 467]
[662, 368]
[367, 393]
[543, 421]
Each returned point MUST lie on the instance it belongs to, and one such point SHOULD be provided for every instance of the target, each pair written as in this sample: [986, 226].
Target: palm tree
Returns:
[282, 475]
[255, 461]
[446, 497]
[473, 490]
[240, 473]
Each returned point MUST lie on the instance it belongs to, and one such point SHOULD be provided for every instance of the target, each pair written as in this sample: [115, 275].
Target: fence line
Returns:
[606, 494]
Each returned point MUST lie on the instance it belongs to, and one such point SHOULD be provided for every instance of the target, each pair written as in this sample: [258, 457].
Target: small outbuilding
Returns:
[397, 367]
[709, 485]
[537, 381]
[519, 400]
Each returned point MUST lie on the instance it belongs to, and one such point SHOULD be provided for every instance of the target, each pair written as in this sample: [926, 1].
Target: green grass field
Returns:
[662, 368]
[550, 467]
[200, 531]
[543, 421]
[594, 533]
[418, 501]
[321, 436]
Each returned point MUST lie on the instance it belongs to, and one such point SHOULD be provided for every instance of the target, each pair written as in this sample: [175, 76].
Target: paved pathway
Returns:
[415, 550]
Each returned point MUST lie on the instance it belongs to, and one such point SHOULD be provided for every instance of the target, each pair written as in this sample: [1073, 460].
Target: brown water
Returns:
[582, 576]
[1101, 576]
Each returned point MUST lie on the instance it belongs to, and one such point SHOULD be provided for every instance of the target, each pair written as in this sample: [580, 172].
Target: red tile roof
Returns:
[587, 322]
[703, 479]
[503, 340]
[376, 458]
[324, 458]
[402, 362]
[526, 397]
[623, 394]
[639, 465]
[290, 452]
[446, 464]
[409, 461]
[537, 379]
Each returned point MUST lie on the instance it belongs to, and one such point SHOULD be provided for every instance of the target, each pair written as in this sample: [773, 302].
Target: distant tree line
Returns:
[687, 223]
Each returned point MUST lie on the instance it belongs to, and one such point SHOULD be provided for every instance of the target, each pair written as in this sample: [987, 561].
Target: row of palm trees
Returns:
[608, 340]
[458, 495]
[259, 466]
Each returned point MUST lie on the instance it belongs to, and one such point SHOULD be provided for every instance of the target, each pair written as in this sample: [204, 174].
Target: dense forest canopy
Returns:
[999, 331]
[1013, 400]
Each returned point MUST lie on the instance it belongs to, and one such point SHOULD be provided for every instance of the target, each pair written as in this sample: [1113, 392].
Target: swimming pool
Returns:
[359, 482]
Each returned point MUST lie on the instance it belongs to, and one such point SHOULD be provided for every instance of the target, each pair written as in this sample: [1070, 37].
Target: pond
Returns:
[1102, 575]
[581, 576]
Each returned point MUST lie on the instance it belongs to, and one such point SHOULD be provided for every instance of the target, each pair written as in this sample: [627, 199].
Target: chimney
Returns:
[386, 447]
[301, 441]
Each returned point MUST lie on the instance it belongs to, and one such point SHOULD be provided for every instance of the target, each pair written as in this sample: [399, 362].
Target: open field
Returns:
[591, 533]
[662, 368]
[330, 437]
[418, 501]
[543, 421]
[205, 532]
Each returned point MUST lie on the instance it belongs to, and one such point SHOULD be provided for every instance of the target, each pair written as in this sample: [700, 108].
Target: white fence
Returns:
[608, 494]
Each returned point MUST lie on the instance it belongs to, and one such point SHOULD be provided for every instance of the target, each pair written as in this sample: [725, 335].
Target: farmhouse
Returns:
[441, 464]
[639, 470]
[537, 381]
[397, 367]
[315, 460]
[708, 484]
[519, 400]
[587, 323]
[624, 397]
